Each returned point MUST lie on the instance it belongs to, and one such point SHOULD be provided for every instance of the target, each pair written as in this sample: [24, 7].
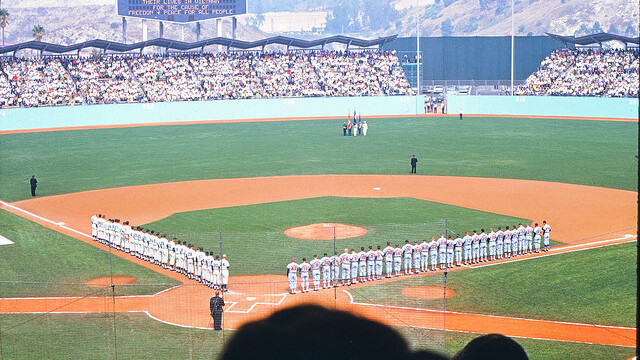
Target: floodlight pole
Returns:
[512, 47]
[418, 82]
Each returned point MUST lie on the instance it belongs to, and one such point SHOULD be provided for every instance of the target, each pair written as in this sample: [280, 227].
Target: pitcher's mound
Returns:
[325, 231]
[105, 281]
[428, 292]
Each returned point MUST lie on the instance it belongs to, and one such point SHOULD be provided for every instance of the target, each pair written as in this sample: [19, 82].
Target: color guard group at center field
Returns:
[352, 267]
[145, 244]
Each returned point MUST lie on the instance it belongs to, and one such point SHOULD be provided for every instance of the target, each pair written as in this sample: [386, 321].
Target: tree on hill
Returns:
[596, 28]
[38, 32]
[4, 15]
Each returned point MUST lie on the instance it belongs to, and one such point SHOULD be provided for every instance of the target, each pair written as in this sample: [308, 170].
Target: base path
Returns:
[575, 212]
[581, 215]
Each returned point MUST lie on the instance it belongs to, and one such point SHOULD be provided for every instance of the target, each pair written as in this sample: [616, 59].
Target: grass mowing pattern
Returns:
[596, 153]
[49, 336]
[594, 286]
[254, 240]
[536, 349]
[43, 255]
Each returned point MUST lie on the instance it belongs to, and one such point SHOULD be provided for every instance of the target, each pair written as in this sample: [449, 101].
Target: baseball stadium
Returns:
[260, 153]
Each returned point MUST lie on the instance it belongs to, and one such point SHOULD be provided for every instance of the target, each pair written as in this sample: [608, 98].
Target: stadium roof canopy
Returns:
[595, 39]
[185, 46]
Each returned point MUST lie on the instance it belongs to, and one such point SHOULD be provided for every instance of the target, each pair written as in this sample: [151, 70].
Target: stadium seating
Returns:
[609, 73]
[50, 81]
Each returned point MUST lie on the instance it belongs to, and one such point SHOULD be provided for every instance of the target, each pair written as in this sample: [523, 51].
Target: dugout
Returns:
[468, 60]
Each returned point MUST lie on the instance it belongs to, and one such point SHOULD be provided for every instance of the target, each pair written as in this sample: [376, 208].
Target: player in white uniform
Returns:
[458, 243]
[466, 239]
[198, 263]
[224, 272]
[397, 260]
[362, 265]
[94, 227]
[171, 251]
[191, 255]
[292, 275]
[483, 245]
[164, 251]
[433, 254]
[336, 261]
[546, 229]
[388, 259]
[354, 267]
[326, 271]
[345, 260]
[417, 252]
[316, 266]
[304, 275]
[371, 264]
[379, 259]
[493, 240]
[424, 255]
[537, 237]
[529, 237]
[407, 250]
[215, 265]
[206, 269]
[450, 245]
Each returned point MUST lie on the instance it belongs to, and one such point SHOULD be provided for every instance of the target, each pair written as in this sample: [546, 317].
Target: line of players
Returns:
[145, 244]
[351, 267]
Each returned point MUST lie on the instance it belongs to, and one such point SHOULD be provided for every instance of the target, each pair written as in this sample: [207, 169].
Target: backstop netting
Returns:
[119, 317]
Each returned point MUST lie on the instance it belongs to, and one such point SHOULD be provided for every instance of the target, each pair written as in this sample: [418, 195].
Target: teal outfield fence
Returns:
[117, 114]
[622, 108]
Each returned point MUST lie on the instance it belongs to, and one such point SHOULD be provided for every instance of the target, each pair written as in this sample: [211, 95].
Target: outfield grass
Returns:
[450, 342]
[594, 286]
[40, 256]
[136, 336]
[596, 153]
[253, 236]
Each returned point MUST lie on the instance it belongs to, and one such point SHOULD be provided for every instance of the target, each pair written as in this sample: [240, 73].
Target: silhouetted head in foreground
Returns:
[312, 332]
[492, 347]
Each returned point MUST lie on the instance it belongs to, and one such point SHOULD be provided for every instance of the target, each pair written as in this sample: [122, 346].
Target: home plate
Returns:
[5, 241]
[250, 298]
[376, 189]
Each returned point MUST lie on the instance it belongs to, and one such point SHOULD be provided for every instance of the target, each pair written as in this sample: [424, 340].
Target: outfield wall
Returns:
[622, 108]
[186, 111]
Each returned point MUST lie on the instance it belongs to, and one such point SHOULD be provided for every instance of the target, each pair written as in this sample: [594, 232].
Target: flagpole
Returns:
[512, 47]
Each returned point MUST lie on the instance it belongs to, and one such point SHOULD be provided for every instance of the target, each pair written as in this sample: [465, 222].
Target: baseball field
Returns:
[237, 187]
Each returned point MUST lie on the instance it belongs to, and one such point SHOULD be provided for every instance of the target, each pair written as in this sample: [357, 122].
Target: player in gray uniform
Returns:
[407, 251]
[388, 259]
[94, 227]
[292, 275]
[493, 243]
[371, 264]
[417, 251]
[483, 245]
[546, 229]
[379, 258]
[345, 260]
[164, 251]
[424, 255]
[515, 241]
[336, 261]
[529, 238]
[326, 271]
[397, 260]
[354, 267]
[362, 265]
[521, 239]
[190, 255]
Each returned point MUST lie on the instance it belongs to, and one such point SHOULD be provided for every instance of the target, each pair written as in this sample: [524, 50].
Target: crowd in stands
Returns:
[50, 81]
[609, 73]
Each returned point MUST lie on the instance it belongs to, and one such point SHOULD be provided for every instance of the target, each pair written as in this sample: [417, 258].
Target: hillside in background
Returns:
[67, 22]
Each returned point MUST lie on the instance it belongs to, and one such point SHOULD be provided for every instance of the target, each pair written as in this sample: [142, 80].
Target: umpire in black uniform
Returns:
[215, 305]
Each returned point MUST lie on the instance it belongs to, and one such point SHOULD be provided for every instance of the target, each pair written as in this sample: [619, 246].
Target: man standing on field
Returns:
[414, 162]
